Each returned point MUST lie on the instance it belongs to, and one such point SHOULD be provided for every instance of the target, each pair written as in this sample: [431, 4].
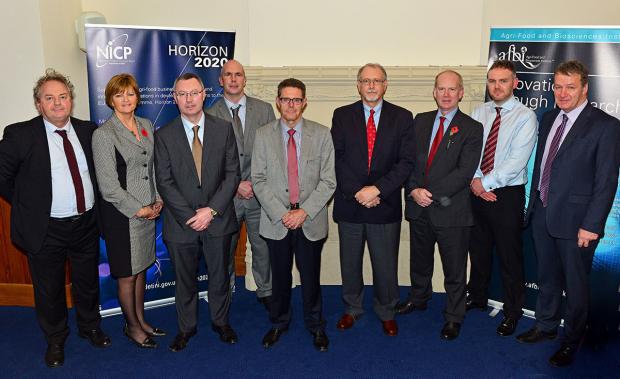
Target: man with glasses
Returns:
[246, 114]
[197, 171]
[438, 207]
[374, 156]
[293, 176]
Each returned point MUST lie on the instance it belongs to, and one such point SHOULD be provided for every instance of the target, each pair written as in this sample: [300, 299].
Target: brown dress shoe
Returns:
[346, 322]
[390, 327]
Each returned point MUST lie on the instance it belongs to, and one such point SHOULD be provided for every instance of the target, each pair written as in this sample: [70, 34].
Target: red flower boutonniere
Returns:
[453, 130]
[144, 133]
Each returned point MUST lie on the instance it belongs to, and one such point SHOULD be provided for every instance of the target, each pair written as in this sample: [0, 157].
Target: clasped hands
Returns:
[201, 220]
[368, 196]
[150, 212]
[244, 191]
[294, 218]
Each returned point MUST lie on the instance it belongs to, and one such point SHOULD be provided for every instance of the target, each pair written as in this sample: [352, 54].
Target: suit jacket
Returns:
[450, 173]
[26, 178]
[391, 163]
[317, 179]
[257, 114]
[178, 183]
[584, 173]
[135, 188]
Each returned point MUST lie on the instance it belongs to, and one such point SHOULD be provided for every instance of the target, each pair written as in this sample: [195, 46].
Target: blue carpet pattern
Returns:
[361, 352]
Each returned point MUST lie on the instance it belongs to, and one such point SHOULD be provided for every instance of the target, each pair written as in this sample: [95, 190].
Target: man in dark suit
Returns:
[573, 187]
[47, 174]
[293, 175]
[374, 156]
[246, 114]
[448, 147]
[197, 171]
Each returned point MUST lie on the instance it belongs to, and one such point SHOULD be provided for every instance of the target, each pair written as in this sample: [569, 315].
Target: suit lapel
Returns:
[123, 132]
[359, 125]
[306, 148]
[578, 128]
[426, 134]
[184, 149]
[41, 135]
[382, 132]
[248, 131]
[277, 141]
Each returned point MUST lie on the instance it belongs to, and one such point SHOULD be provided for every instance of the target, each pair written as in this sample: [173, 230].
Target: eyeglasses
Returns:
[191, 94]
[288, 100]
[366, 82]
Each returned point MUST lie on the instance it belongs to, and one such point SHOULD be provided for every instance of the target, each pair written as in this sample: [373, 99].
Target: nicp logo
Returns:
[115, 51]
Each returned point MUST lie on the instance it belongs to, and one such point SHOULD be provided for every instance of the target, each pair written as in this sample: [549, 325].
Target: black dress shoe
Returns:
[227, 334]
[320, 340]
[535, 335]
[96, 337]
[563, 357]
[272, 336]
[148, 342]
[507, 326]
[470, 304]
[55, 355]
[450, 330]
[156, 332]
[403, 308]
[180, 341]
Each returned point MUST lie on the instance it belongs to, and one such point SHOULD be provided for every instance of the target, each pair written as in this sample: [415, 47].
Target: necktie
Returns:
[488, 157]
[75, 171]
[435, 144]
[553, 150]
[197, 152]
[238, 127]
[371, 135]
[293, 174]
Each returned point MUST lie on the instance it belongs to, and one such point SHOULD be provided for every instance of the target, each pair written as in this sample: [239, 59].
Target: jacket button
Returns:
[146, 178]
[144, 165]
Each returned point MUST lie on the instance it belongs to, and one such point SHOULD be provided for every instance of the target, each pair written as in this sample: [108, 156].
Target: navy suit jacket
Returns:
[584, 174]
[391, 163]
[450, 173]
[26, 177]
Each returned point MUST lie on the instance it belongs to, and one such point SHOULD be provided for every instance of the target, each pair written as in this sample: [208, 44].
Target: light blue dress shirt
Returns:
[376, 116]
[446, 125]
[242, 109]
[64, 203]
[189, 129]
[518, 131]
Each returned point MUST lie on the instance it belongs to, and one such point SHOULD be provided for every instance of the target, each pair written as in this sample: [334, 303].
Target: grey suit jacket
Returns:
[317, 178]
[257, 114]
[178, 184]
[112, 138]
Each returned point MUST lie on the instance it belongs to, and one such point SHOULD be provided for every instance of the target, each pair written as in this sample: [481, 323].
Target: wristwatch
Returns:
[214, 212]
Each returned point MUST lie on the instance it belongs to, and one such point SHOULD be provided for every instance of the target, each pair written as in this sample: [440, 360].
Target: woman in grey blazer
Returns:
[123, 153]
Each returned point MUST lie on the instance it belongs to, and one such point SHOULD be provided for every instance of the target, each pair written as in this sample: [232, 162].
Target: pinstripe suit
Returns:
[126, 177]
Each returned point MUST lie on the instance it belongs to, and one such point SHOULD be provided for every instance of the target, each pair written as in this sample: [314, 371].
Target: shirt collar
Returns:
[242, 102]
[448, 116]
[508, 105]
[377, 107]
[285, 128]
[189, 125]
[572, 115]
[51, 128]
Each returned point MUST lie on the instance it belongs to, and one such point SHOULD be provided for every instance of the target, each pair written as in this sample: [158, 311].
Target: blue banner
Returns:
[155, 57]
[536, 51]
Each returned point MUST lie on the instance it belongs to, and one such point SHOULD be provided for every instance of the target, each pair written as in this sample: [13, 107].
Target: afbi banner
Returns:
[155, 57]
[536, 51]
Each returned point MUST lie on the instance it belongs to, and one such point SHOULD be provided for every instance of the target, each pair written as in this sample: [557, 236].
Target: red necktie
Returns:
[293, 183]
[553, 150]
[75, 171]
[488, 157]
[371, 135]
[436, 142]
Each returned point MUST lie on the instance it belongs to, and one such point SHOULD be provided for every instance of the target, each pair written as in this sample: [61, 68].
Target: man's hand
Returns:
[422, 197]
[367, 195]
[201, 220]
[146, 212]
[244, 191]
[584, 237]
[478, 190]
[373, 203]
[156, 207]
[293, 219]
